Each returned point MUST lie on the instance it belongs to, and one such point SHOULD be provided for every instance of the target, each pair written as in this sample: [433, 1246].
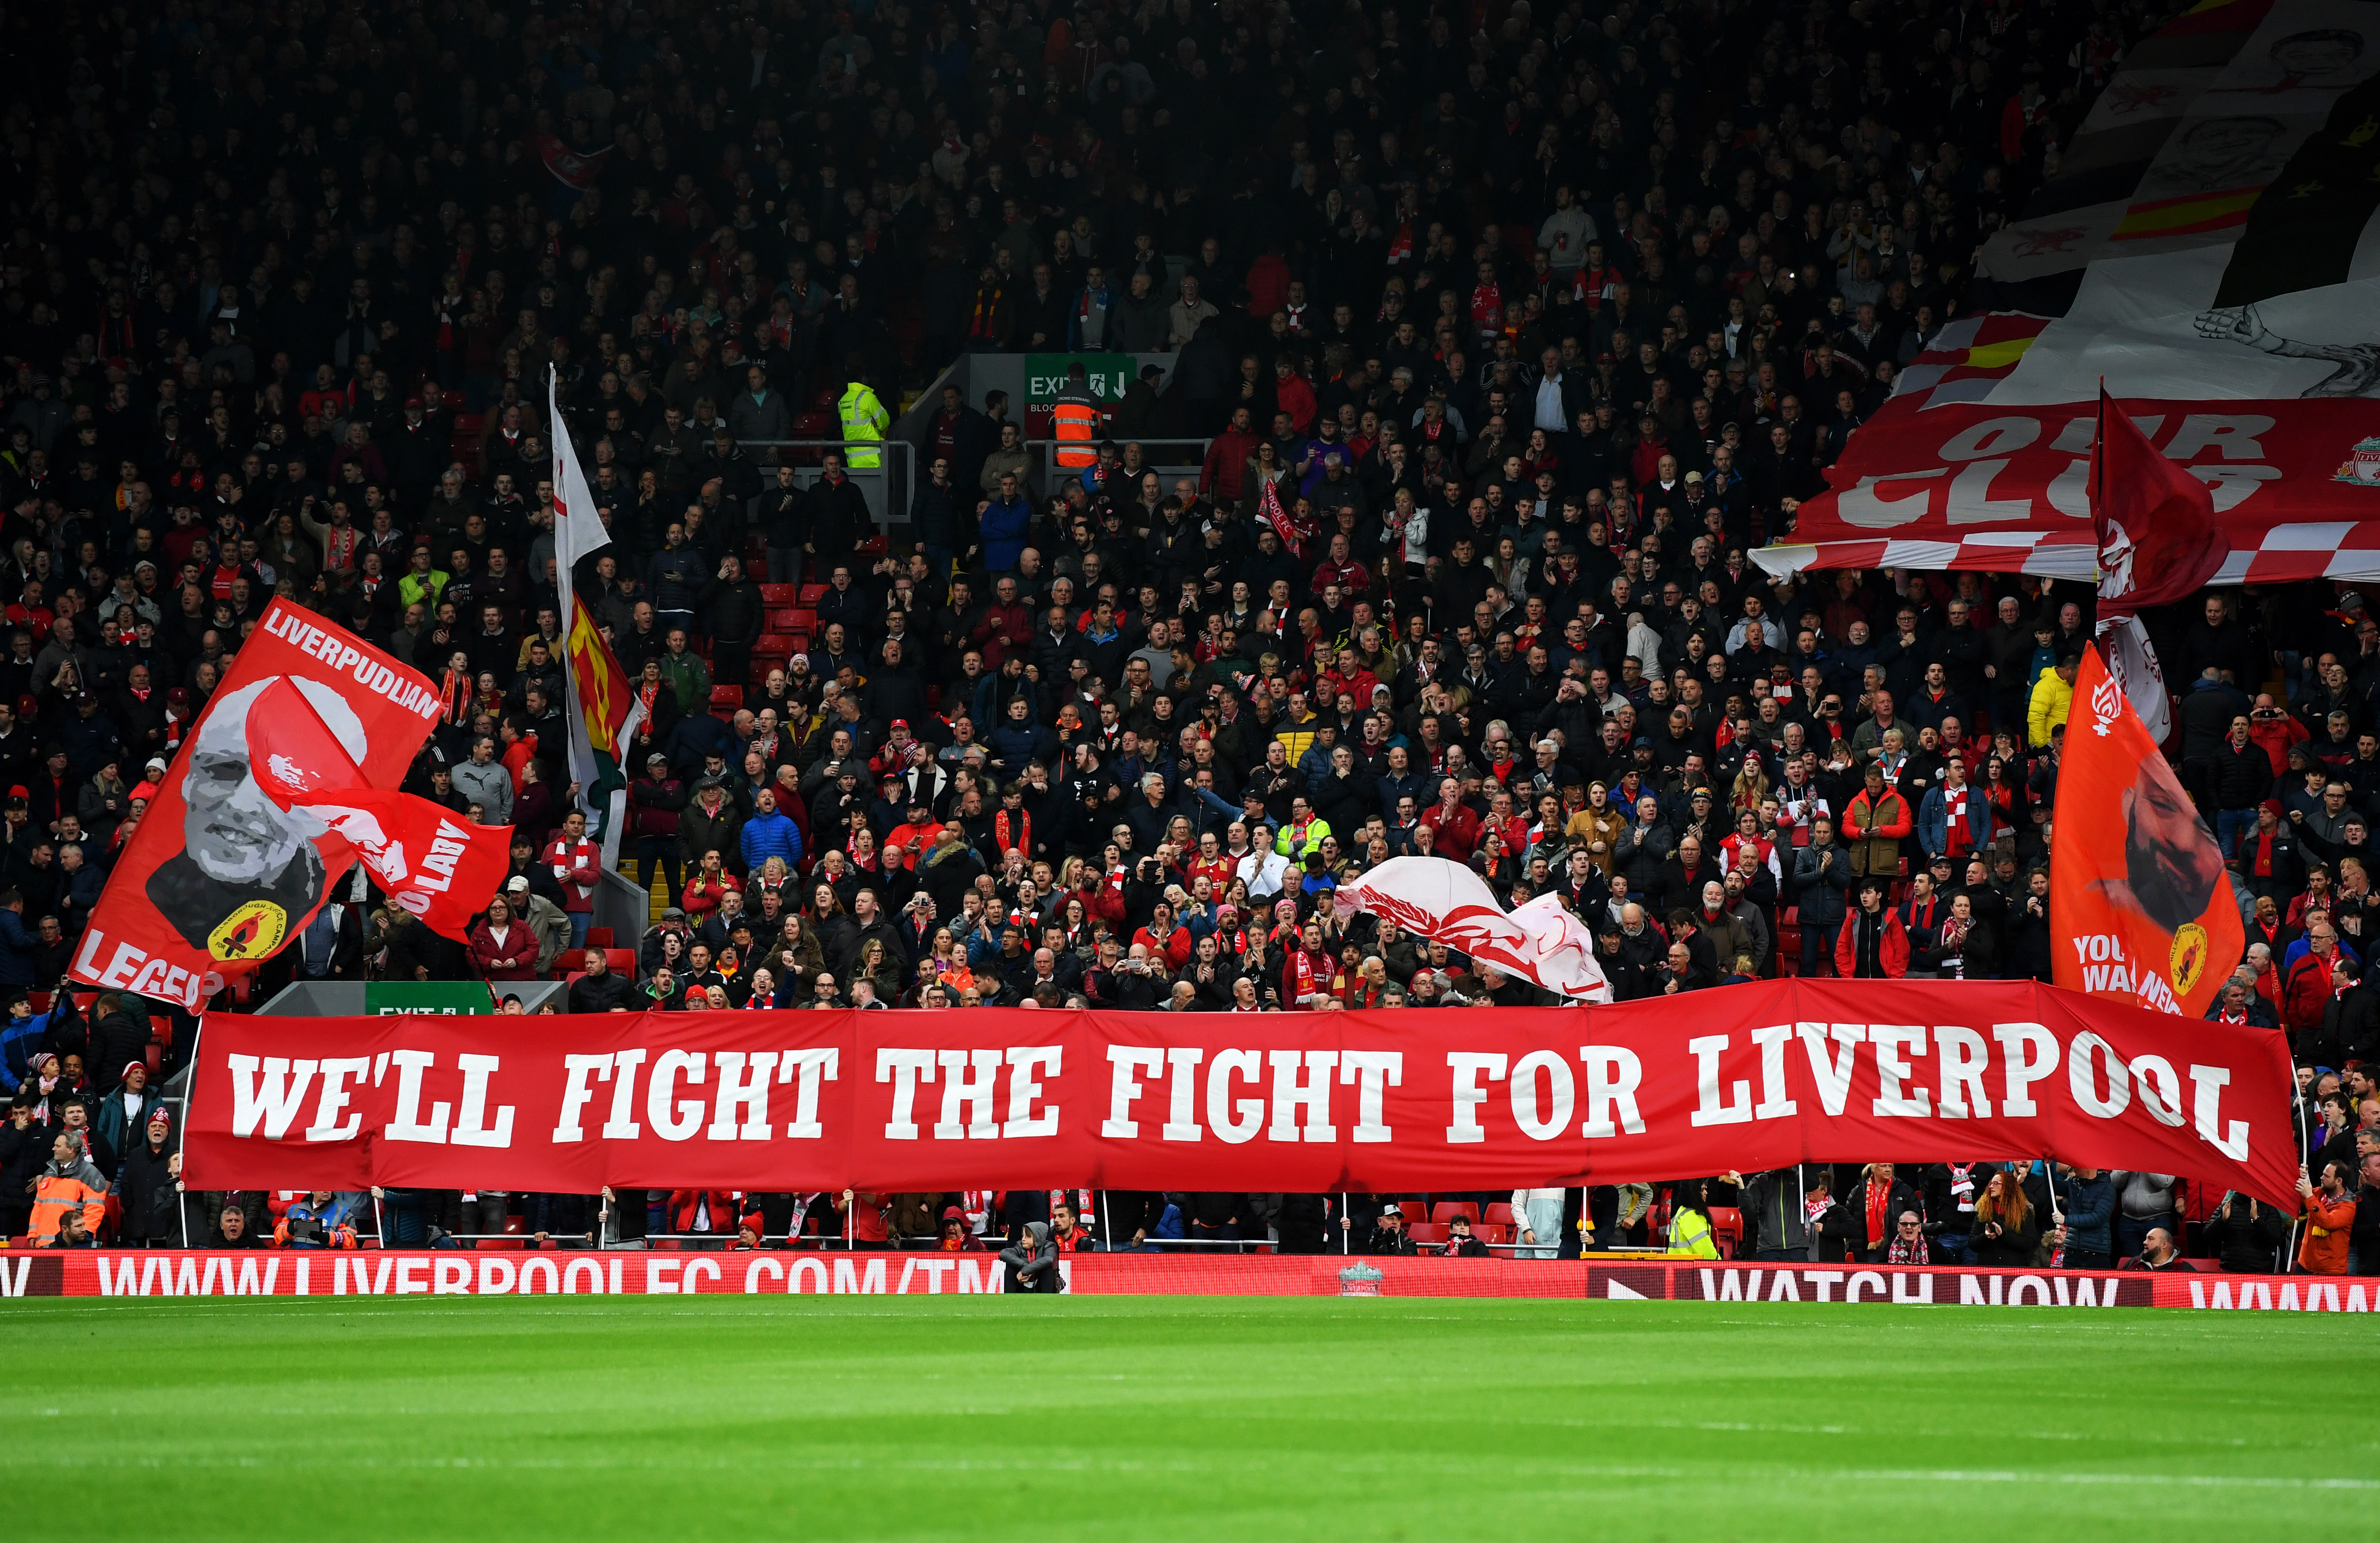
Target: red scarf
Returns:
[1301, 965]
[2261, 866]
[1880, 1201]
[1960, 839]
[1024, 837]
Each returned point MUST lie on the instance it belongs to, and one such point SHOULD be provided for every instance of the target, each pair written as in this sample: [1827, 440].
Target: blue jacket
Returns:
[1012, 744]
[1934, 821]
[696, 735]
[2089, 1212]
[18, 950]
[770, 836]
[20, 1041]
[1821, 880]
[1005, 527]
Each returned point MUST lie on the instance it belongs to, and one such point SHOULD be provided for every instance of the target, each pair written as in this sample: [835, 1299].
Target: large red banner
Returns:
[224, 869]
[2296, 488]
[1751, 1077]
[839, 1272]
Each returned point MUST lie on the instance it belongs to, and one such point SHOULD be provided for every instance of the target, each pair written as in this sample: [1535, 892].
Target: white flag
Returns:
[1542, 941]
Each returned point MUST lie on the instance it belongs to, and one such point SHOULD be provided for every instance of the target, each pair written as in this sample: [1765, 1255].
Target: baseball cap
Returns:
[517, 884]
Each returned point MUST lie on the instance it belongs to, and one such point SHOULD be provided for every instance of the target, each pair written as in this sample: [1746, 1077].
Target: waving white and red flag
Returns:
[1541, 941]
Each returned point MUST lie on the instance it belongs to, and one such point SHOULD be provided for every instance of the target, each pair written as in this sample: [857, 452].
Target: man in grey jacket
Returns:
[548, 922]
[1033, 1264]
[484, 781]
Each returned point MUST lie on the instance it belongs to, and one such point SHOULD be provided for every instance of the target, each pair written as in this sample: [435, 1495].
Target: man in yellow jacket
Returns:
[71, 1183]
[2053, 698]
[864, 419]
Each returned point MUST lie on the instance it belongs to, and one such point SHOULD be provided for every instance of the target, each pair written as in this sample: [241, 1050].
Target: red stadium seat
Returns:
[1500, 1213]
[1415, 1211]
[1426, 1234]
[1727, 1230]
[621, 961]
[1493, 1232]
[780, 594]
[813, 593]
[502, 1244]
[725, 700]
[784, 619]
[599, 937]
[1447, 1210]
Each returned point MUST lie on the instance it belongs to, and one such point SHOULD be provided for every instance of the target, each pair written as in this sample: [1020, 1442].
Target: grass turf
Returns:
[1142, 1418]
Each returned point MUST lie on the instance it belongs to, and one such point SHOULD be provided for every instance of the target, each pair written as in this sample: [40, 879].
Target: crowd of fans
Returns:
[1531, 322]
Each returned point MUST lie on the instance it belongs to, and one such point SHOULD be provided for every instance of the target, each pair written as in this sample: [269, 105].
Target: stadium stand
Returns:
[1540, 317]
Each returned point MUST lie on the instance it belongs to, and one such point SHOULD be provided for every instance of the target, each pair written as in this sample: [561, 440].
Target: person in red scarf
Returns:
[955, 1238]
[1877, 1202]
[1308, 969]
[1011, 828]
[2270, 862]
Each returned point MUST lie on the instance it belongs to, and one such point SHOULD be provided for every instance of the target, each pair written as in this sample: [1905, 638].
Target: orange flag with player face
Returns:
[2142, 903]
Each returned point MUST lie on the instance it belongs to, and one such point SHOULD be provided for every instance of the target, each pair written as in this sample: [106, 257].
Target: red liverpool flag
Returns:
[2141, 900]
[2158, 542]
[431, 862]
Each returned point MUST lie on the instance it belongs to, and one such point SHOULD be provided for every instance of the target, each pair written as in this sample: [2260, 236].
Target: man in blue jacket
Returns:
[2089, 1212]
[1007, 517]
[17, 943]
[770, 833]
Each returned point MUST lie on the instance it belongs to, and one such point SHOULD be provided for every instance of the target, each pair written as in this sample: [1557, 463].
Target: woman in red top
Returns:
[502, 948]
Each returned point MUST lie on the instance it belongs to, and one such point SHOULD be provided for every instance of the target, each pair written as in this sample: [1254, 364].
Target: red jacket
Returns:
[2305, 992]
[1174, 950]
[1226, 460]
[1892, 950]
[1456, 835]
[513, 959]
[579, 867]
[723, 1210]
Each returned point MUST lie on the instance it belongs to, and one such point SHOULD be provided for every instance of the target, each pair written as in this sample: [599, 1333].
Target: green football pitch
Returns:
[1125, 1418]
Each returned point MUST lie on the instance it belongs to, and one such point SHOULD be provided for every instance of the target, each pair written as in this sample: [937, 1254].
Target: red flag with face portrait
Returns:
[2141, 901]
[228, 864]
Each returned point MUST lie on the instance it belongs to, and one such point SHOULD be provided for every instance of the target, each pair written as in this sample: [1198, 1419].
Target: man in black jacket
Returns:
[599, 990]
[837, 511]
[149, 1188]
